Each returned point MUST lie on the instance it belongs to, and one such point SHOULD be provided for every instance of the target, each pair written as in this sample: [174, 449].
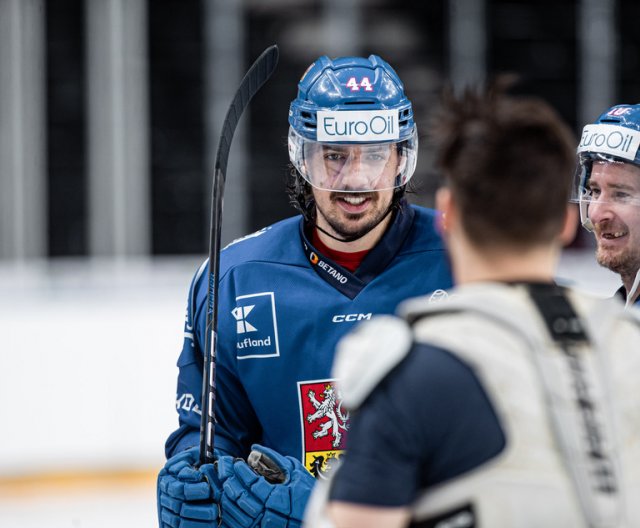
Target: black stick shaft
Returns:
[256, 76]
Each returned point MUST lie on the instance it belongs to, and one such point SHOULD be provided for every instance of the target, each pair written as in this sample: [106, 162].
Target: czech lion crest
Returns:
[324, 424]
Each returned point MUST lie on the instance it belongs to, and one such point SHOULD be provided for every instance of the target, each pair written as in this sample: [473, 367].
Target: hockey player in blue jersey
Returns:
[608, 190]
[290, 291]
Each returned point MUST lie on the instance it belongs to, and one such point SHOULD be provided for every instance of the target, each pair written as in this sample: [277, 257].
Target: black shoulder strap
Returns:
[556, 310]
[597, 492]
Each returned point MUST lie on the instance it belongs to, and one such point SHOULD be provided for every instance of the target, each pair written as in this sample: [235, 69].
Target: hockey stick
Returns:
[258, 74]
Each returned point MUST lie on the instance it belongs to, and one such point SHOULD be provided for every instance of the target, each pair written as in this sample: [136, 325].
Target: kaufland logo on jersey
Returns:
[358, 125]
[610, 139]
[242, 325]
[256, 326]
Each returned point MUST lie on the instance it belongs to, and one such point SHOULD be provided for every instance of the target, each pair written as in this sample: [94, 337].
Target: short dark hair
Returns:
[508, 160]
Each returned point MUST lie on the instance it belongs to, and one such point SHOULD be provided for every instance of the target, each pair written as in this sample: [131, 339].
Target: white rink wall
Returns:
[87, 363]
[579, 269]
[87, 359]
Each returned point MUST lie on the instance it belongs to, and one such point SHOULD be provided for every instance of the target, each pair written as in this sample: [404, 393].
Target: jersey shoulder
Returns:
[274, 242]
[278, 243]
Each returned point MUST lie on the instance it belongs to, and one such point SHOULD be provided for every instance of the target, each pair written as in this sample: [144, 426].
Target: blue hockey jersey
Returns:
[282, 308]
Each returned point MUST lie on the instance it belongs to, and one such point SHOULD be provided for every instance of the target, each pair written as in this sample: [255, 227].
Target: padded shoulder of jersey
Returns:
[367, 354]
[277, 243]
[274, 242]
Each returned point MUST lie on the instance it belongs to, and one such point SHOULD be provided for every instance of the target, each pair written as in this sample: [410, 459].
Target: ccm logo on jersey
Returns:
[256, 326]
[349, 318]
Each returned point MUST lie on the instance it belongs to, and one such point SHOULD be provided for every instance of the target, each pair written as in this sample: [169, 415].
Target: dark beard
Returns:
[345, 230]
[349, 232]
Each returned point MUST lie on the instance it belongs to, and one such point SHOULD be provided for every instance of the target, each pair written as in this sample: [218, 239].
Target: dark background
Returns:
[535, 39]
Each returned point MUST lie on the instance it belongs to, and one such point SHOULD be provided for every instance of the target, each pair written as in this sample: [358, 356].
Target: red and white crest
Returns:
[324, 424]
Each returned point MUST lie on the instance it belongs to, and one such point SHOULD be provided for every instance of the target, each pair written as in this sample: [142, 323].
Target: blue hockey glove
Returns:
[275, 501]
[188, 497]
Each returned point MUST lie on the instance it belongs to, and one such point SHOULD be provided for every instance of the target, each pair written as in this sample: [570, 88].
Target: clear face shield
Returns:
[605, 182]
[354, 167]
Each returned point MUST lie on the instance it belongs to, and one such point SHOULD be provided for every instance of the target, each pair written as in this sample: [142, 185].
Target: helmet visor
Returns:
[353, 167]
[602, 179]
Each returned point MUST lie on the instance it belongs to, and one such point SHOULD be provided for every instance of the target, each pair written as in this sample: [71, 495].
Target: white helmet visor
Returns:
[621, 187]
[353, 167]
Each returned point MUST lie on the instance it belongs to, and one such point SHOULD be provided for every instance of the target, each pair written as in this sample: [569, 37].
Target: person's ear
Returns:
[570, 226]
[446, 209]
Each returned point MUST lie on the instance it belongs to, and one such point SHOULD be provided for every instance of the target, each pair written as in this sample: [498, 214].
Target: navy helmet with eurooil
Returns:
[613, 138]
[349, 84]
[616, 134]
[355, 104]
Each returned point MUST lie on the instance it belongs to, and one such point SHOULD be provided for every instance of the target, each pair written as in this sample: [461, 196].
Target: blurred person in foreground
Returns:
[290, 291]
[514, 402]
[608, 190]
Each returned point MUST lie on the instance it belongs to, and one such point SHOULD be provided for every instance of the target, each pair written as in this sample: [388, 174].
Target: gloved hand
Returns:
[251, 500]
[188, 497]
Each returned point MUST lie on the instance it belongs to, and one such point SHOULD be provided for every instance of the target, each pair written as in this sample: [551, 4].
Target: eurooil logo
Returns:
[314, 258]
[358, 125]
[610, 139]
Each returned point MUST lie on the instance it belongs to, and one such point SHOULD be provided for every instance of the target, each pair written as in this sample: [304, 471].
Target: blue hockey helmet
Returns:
[613, 138]
[357, 107]
[349, 84]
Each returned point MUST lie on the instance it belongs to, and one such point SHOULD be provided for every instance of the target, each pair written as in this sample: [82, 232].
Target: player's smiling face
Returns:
[615, 214]
[352, 211]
